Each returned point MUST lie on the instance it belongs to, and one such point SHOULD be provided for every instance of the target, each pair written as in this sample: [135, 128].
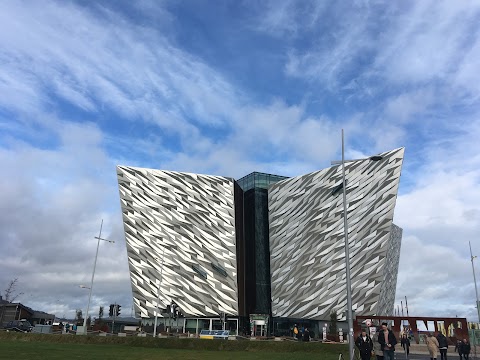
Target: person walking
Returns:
[458, 348]
[387, 340]
[365, 345]
[442, 345]
[432, 345]
[377, 348]
[306, 335]
[295, 332]
[465, 348]
[405, 342]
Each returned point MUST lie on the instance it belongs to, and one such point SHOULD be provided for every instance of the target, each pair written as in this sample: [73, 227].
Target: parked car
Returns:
[19, 325]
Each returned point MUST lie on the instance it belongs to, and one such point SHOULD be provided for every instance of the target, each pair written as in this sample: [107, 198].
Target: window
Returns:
[219, 269]
[199, 271]
[337, 189]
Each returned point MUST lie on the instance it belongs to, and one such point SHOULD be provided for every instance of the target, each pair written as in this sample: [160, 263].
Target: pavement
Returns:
[400, 355]
[420, 352]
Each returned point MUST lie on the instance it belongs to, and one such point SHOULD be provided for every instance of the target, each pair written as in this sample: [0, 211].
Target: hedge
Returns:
[178, 343]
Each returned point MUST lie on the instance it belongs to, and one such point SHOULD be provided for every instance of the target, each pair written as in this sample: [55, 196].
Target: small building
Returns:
[14, 311]
[17, 311]
[42, 318]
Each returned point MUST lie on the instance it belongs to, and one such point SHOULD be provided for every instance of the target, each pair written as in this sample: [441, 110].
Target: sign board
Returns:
[214, 334]
[373, 330]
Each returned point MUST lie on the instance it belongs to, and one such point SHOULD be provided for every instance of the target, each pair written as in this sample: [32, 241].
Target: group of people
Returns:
[383, 345]
[440, 344]
[436, 344]
[463, 349]
[302, 334]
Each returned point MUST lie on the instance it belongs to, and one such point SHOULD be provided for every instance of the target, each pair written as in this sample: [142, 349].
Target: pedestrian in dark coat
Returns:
[442, 345]
[377, 348]
[458, 348]
[387, 340]
[365, 345]
[306, 335]
[465, 348]
[405, 342]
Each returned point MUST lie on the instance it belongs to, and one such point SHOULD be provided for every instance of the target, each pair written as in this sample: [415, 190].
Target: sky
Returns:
[227, 88]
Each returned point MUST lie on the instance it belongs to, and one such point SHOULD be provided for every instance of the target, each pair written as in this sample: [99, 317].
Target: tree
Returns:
[9, 293]
[100, 313]
[333, 323]
[89, 321]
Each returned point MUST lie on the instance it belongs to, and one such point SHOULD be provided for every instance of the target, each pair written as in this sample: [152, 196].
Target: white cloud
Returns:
[286, 18]
[432, 278]
[427, 41]
[52, 203]
[440, 214]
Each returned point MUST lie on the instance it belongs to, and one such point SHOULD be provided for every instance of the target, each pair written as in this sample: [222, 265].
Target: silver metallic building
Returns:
[307, 254]
[187, 222]
[206, 229]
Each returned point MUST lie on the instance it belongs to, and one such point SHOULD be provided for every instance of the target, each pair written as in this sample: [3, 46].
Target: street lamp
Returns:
[99, 237]
[475, 281]
[347, 249]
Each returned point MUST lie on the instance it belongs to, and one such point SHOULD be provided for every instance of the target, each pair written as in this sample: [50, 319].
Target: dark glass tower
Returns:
[256, 239]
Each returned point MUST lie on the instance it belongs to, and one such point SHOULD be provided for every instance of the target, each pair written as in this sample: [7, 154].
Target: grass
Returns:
[25, 350]
[53, 347]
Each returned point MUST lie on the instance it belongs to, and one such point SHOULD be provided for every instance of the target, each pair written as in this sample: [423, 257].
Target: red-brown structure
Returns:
[460, 326]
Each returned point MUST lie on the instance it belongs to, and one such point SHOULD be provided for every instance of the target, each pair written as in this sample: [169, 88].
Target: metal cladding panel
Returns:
[307, 244]
[389, 285]
[188, 220]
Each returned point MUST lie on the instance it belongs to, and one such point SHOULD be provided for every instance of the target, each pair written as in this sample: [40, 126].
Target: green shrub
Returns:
[176, 343]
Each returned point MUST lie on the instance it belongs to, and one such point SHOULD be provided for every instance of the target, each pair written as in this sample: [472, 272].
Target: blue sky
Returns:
[227, 88]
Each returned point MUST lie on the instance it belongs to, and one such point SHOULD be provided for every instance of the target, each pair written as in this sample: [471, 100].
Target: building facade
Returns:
[181, 241]
[263, 244]
[307, 246]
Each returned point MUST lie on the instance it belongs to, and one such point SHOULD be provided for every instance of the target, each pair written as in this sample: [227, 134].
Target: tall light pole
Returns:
[475, 281]
[99, 237]
[158, 293]
[347, 248]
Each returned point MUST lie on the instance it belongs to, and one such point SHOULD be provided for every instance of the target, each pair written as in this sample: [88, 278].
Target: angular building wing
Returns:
[187, 223]
[307, 248]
